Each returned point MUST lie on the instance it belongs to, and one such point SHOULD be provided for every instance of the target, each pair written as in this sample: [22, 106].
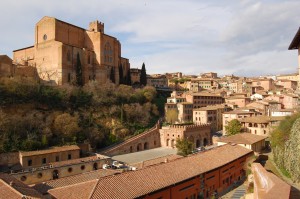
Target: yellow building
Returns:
[29, 159]
[250, 141]
[62, 52]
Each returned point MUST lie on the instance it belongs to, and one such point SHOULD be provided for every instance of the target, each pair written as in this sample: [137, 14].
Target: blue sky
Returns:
[245, 37]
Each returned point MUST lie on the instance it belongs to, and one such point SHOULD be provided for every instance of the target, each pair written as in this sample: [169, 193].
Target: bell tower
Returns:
[96, 26]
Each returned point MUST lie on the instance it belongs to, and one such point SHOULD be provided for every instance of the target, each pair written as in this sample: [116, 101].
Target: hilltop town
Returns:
[77, 121]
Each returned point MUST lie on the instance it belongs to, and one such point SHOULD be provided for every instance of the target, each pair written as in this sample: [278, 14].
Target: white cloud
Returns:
[192, 36]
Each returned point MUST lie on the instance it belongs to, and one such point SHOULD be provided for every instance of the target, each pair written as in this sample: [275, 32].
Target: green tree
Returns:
[121, 78]
[184, 146]
[233, 127]
[112, 75]
[171, 116]
[79, 80]
[143, 77]
[128, 77]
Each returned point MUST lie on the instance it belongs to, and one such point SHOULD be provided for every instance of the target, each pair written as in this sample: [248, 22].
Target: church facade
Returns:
[62, 51]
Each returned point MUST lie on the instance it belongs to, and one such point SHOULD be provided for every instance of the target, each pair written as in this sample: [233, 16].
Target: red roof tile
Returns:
[141, 182]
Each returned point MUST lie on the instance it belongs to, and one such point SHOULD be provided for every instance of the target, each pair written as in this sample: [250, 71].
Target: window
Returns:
[23, 178]
[82, 167]
[39, 175]
[69, 156]
[45, 37]
[69, 77]
[108, 53]
[70, 169]
[57, 158]
[29, 163]
[44, 161]
[68, 56]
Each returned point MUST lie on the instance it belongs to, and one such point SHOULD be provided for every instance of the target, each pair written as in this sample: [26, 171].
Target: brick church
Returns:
[59, 46]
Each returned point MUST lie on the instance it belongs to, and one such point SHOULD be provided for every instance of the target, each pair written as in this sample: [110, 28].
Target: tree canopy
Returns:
[79, 80]
[143, 77]
[184, 146]
[233, 127]
[285, 142]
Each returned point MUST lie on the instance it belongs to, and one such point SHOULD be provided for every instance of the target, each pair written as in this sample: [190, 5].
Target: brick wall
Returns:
[147, 140]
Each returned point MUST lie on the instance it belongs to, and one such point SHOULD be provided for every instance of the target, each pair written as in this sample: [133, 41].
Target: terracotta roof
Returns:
[155, 161]
[75, 161]
[242, 138]
[205, 94]
[237, 111]
[75, 179]
[262, 119]
[153, 178]
[8, 192]
[10, 187]
[52, 150]
[80, 190]
[214, 107]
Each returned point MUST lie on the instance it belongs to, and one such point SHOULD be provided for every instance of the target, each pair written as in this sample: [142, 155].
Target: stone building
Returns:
[62, 53]
[29, 159]
[237, 114]
[56, 170]
[11, 188]
[250, 141]
[211, 114]
[199, 135]
[202, 99]
[260, 125]
[202, 175]
[240, 101]
[157, 81]
[6, 67]
[135, 75]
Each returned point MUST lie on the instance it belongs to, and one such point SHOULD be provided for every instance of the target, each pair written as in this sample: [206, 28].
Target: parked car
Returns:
[106, 166]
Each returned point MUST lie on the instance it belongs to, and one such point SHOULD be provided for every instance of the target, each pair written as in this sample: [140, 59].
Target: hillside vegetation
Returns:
[35, 116]
[285, 142]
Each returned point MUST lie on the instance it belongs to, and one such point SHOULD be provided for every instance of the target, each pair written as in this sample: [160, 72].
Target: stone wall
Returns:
[147, 140]
[9, 159]
[55, 170]
[199, 135]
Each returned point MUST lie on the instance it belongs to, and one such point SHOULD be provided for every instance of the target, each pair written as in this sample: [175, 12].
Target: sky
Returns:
[240, 37]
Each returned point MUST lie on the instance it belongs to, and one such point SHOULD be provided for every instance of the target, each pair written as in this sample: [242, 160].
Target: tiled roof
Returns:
[71, 180]
[52, 150]
[242, 138]
[76, 191]
[8, 192]
[237, 111]
[205, 94]
[141, 182]
[10, 187]
[74, 161]
[155, 161]
[262, 119]
[214, 107]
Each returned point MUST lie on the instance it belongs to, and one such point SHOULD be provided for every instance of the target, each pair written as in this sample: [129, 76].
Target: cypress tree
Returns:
[112, 75]
[143, 77]
[128, 77]
[121, 80]
[79, 80]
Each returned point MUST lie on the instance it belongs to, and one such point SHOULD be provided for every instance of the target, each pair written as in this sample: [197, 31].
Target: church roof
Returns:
[296, 41]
